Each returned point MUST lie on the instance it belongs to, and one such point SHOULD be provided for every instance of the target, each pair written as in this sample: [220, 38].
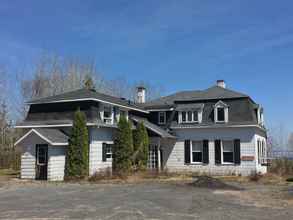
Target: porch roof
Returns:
[52, 136]
[154, 128]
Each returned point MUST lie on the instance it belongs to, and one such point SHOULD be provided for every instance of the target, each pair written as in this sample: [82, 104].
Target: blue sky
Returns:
[180, 45]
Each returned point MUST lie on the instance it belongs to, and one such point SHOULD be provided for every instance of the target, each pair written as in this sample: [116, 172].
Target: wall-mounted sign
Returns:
[247, 158]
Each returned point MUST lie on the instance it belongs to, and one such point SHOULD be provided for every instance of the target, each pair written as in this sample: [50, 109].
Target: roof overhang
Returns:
[154, 128]
[88, 99]
[43, 137]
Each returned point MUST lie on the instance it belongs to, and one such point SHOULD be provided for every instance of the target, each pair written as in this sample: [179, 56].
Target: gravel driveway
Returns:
[140, 201]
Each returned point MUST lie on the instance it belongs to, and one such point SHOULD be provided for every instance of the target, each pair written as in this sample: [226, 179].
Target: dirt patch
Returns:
[212, 183]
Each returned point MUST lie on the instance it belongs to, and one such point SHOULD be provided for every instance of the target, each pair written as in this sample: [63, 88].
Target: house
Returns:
[215, 131]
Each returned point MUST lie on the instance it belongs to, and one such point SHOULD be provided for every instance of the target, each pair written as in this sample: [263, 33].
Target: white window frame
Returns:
[191, 152]
[261, 151]
[186, 116]
[222, 152]
[222, 105]
[159, 116]
[108, 143]
[111, 118]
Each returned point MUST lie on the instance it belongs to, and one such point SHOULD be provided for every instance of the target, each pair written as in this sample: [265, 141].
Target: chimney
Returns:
[140, 94]
[221, 83]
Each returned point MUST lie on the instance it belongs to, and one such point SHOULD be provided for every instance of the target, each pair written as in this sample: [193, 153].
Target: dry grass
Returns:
[106, 176]
[283, 167]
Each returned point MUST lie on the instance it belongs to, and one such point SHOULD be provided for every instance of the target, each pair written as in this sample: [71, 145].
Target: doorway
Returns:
[41, 161]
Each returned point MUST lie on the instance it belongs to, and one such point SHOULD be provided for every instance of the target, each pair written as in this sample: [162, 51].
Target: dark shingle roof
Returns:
[88, 95]
[156, 129]
[51, 135]
[54, 135]
[214, 92]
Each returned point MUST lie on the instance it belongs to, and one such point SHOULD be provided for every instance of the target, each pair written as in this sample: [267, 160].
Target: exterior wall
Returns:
[56, 159]
[98, 136]
[259, 167]
[173, 153]
[28, 157]
[56, 162]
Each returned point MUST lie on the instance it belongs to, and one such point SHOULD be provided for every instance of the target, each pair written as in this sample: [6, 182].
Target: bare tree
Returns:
[278, 138]
[290, 141]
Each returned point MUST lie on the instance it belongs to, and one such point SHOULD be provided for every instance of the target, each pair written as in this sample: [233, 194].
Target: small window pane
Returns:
[196, 156]
[195, 116]
[189, 116]
[228, 157]
[183, 116]
[221, 114]
[196, 146]
[162, 117]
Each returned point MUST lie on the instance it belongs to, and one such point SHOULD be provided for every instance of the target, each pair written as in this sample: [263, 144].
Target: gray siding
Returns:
[173, 153]
[56, 163]
[98, 136]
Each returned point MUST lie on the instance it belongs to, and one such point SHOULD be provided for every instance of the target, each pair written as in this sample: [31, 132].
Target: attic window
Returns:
[108, 116]
[221, 112]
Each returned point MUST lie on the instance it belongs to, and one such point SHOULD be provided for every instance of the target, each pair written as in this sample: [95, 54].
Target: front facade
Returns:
[215, 131]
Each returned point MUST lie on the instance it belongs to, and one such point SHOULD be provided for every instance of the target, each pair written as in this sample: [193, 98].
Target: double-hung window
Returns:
[228, 152]
[162, 117]
[107, 152]
[108, 119]
[196, 152]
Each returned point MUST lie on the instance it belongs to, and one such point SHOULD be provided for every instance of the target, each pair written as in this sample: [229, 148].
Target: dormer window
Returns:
[108, 114]
[162, 117]
[189, 116]
[221, 112]
[190, 113]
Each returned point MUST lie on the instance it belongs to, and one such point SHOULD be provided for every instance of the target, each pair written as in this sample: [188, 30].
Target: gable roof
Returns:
[214, 92]
[86, 94]
[52, 136]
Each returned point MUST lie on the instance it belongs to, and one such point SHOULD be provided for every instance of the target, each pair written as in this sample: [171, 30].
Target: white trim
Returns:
[89, 99]
[51, 126]
[225, 126]
[161, 109]
[192, 117]
[191, 151]
[159, 122]
[41, 136]
[222, 151]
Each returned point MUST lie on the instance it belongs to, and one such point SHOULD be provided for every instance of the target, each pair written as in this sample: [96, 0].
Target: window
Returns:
[228, 151]
[196, 152]
[162, 117]
[107, 152]
[189, 116]
[195, 116]
[261, 150]
[183, 117]
[108, 115]
[221, 114]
